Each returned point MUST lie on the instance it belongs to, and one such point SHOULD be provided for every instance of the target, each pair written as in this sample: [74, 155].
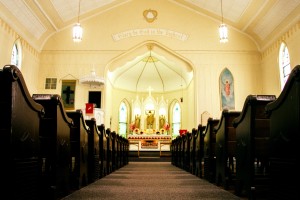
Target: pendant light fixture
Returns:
[223, 31]
[77, 29]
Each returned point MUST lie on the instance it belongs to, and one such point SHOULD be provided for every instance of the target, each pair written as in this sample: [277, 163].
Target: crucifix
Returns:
[68, 93]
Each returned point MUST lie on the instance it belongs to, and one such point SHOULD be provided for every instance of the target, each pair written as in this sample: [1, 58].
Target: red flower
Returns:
[132, 126]
[166, 126]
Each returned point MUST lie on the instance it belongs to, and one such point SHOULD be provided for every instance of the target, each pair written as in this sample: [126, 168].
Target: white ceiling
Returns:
[158, 68]
[41, 18]
[37, 20]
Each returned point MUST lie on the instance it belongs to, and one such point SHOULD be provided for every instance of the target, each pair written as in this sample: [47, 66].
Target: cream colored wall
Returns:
[60, 56]
[63, 59]
[270, 59]
[243, 66]
[30, 57]
[72, 65]
[253, 72]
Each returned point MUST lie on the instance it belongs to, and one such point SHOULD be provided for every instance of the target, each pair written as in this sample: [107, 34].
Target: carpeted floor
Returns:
[151, 180]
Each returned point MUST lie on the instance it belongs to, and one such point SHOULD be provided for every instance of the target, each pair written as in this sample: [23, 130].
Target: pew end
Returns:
[284, 138]
[20, 119]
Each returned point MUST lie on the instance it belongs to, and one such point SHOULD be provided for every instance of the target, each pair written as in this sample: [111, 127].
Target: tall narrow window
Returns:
[16, 54]
[123, 120]
[284, 64]
[176, 122]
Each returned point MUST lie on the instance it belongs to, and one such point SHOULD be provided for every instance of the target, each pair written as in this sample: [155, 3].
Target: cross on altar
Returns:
[149, 90]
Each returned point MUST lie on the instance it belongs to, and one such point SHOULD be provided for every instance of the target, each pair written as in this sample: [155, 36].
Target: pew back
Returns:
[103, 150]
[209, 152]
[55, 146]
[198, 142]
[94, 160]
[284, 139]
[225, 148]
[79, 150]
[252, 137]
[19, 131]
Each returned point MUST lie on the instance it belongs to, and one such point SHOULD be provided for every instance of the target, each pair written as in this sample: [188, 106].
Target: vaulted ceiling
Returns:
[261, 20]
[39, 19]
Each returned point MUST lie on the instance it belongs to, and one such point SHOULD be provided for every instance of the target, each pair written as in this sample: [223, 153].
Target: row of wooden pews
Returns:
[252, 152]
[46, 151]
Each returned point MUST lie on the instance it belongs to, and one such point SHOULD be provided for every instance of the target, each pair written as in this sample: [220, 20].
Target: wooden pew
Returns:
[55, 147]
[209, 152]
[125, 151]
[178, 150]
[187, 151]
[114, 149]
[192, 152]
[252, 137]
[120, 143]
[284, 155]
[198, 141]
[109, 140]
[79, 150]
[103, 150]
[225, 149]
[174, 151]
[19, 130]
[94, 167]
[182, 153]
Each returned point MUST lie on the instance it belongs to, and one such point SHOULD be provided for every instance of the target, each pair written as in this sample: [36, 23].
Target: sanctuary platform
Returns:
[149, 142]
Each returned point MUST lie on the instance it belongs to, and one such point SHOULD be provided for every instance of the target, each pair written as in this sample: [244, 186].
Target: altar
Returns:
[149, 142]
[149, 127]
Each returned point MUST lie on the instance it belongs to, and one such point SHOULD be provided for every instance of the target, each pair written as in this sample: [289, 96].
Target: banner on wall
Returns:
[89, 108]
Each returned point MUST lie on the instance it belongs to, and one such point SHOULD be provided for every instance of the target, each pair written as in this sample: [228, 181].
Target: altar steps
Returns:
[150, 156]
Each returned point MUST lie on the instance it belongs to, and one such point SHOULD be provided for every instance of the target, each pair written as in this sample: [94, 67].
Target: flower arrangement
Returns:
[136, 130]
[132, 126]
[166, 126]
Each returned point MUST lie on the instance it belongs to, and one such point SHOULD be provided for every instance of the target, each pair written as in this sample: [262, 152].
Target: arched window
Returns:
[123, 120]
[16, 54]
[176, 121]
[284, 64]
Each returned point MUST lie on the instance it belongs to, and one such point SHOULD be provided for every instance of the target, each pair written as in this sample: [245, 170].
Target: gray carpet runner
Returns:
[151, 180]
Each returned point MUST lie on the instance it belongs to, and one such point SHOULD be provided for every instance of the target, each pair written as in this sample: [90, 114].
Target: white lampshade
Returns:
[223, 31]
[77, 32]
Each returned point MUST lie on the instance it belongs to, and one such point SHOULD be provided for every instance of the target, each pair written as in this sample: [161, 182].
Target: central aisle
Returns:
[151, 180]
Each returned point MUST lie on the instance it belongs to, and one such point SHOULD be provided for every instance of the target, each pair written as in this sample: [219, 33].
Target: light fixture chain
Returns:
[78, 10]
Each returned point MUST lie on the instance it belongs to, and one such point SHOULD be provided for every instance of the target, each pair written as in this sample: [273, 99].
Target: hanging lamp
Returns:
[223, 31]
[77, 29]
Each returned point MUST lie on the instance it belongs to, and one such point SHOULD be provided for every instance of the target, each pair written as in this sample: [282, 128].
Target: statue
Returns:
[161, 121]
[150, 120]
[137, 121]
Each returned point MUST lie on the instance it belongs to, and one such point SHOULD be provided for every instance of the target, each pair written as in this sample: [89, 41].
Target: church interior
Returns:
[152, 70]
